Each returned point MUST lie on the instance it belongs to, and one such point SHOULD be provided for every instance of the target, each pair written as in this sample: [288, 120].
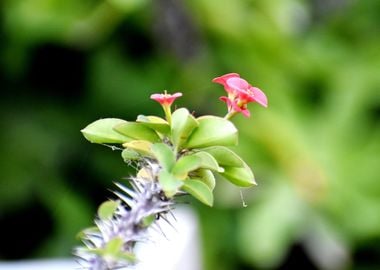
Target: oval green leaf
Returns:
[208, 161]
[225, 156]
[183, 124]
[129, 154]
[157, 123]
[137, 131]
[199, 190]
[107, 209]
[185, 165]
[169, 183]
[213, 131]
[164, 155]
[140, 146]
[206, 176]
[126, 256]
[101, 131]
[240, 176]
[113, 247]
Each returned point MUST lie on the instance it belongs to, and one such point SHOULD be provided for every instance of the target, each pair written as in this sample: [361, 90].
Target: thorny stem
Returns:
[145, 199]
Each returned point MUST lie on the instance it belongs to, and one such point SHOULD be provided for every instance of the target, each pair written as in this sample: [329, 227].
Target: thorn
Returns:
[126, 190]
[159, 227]
[125, 199]
[167, 221]
[173, 216]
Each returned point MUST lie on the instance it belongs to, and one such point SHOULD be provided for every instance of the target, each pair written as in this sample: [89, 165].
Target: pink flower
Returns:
[165, 99]
[247, 93]
[240, 93]
[223, 80]
[234, 107]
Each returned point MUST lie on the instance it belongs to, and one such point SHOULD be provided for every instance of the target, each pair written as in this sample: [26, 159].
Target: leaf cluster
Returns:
[189, 151]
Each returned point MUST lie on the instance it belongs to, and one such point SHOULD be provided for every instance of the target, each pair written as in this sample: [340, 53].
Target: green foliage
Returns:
[113, 250]
[199, 190]
[156, 123]
[140, 146]
[185, 165]
[102, 131]
[169, 183]
[128, 154]
[180, 169]
[213, 131]
[240, 176]
[107, 209]
[164, 155]
[206, 176]
[225, 156]
[136, 131]
[183, 124]
[207, 161]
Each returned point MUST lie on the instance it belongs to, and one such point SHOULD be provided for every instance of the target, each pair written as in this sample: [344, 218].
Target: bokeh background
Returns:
[315, 151]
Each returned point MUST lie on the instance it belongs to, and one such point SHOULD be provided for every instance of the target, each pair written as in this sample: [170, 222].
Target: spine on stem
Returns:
[122, 223]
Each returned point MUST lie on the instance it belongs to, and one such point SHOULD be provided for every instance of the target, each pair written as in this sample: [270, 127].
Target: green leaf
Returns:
[114, 249]
[183, 124]
[164, 154]
[208, 161]
[207, 177]
[126, 256]
[137, 131]
[169, 183]
[88, 231]
[157, 123]
[240, 176]
[140, 146]
[185, 165]
[101, 131]
[192, 162]
[199, 190]
[107, 209]
[113, 246]
[213, 131]
[224, 156]
[129, 154]
[147, 221]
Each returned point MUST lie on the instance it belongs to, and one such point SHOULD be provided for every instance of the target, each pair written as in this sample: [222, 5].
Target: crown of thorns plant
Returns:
[176, 155]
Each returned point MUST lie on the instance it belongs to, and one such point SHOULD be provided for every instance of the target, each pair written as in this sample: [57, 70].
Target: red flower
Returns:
[234, 107]
[223, 80]
[240, 93]
[247, 93]
[165, 99]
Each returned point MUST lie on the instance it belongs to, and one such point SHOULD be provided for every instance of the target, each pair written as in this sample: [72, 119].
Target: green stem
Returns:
[230, 114]
[168, 114]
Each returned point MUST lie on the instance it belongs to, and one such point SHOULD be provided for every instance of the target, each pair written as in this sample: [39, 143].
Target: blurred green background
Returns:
[315, 151]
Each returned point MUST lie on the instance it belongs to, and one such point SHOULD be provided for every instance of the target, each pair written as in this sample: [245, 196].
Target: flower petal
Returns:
[259, 96]
[165, 99]
[246, 112]
[237, 84]
[225, 99]
[222, 79]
